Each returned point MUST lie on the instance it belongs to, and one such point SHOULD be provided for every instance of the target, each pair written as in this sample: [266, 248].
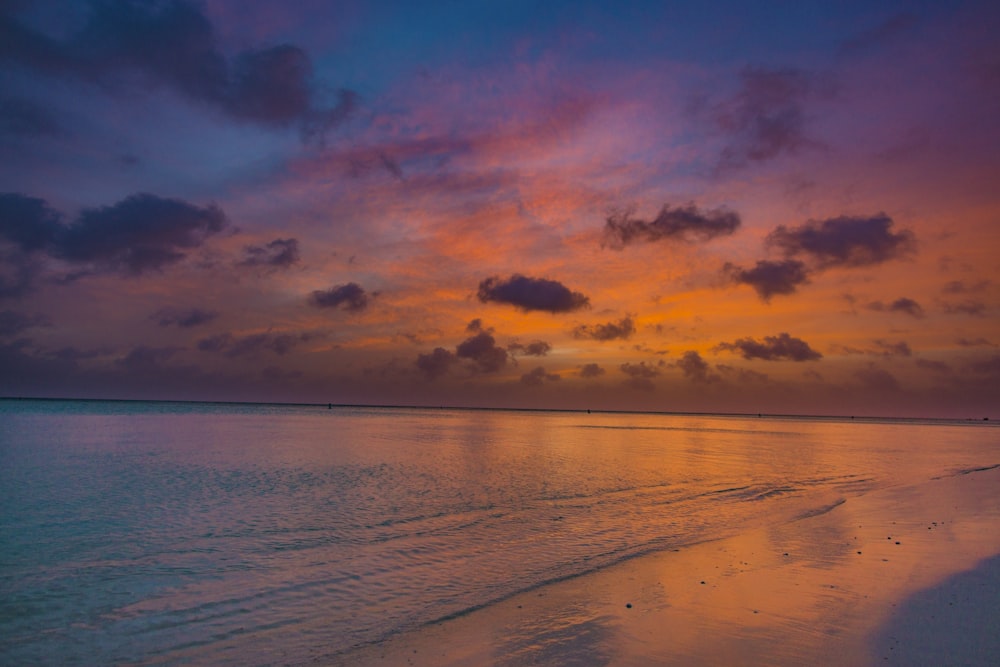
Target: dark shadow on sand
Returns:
[954, 623]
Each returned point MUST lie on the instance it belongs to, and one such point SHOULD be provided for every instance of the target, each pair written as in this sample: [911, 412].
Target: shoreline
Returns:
[861, 584]
[860, 419]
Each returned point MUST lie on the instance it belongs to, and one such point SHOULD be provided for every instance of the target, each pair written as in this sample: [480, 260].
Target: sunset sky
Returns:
[677, 206]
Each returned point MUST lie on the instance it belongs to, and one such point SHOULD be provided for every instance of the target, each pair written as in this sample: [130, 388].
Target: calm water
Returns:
[159, 533]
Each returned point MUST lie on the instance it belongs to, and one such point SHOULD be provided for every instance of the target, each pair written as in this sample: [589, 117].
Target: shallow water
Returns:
[235, 534]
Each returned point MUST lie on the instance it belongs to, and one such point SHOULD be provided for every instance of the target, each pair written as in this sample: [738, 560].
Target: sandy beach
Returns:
[908, 575]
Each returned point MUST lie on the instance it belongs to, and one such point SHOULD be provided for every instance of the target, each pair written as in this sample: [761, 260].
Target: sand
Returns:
[908, 575]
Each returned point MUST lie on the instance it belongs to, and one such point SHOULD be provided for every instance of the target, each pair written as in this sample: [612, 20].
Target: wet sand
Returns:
[908, 575]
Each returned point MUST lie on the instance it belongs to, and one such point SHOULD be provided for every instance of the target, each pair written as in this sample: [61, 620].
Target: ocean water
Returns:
[222, 534]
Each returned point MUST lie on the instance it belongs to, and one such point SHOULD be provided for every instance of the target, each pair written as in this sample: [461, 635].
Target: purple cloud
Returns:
[278, 254]
[531, 294]
[538, 376]
[772, 348]
[185, 318]
[844, 241]
[903, 305]
[769, 278]
[620, 330]
[435, 364]
[685, 223]
[351, 296]
[695, 368]
[483, 351]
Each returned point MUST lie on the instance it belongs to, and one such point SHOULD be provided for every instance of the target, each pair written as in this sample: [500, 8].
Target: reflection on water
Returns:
[235, 534]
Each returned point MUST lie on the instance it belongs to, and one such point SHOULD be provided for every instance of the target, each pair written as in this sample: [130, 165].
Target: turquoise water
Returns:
[180, 533]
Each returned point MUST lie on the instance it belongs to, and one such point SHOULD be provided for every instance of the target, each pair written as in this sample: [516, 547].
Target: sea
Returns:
[162, 533]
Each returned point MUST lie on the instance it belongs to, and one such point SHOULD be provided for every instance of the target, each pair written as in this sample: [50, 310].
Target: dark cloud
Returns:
[897, 349]
[537, 348]
[695, 368]
[766, 118]
[532, 294]
[769, 277]
[233, 346]
[184, 318]
[141, 233]
[901, 305]
[351, 296]
[138, 234]
[877, 378]
[173, 44]
[966, 307]
[436, 364]
[13, 322]
[622, 329]
[483, 351]
[685, 223]
[959, 287]
[216, 343]
[989, 366]
[844, 241]
[28, 223]
[975, 342]
[475, 326]
[773, 348]
[18, 272]
[143, 358]
[640, 376]
[591, 371]
[743, 375]
[538, 376]
[278, 254]
[931, 365]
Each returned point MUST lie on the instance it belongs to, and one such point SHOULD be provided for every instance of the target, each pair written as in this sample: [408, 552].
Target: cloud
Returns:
[877, 378]
[959, 287]
[766, 118]
[901, 305]
[173, 44]
[990, 366]
[144, 358]
[141, 233]
[622, 329]
[640, 376]
[13, 322]
[975, 342]
[844, 241]
[685, 223]
[538, 348]
[931, 365]
[769, 277]
[773, 348]
[186, 318]
[278, 254]
[532, 294]
[538, 376]
[483, 351]
[695, 368]
[351, 296]
[897, 349]
[436, 364]
[591, 371]
[280, 343]
[966, 307]
[28, 223]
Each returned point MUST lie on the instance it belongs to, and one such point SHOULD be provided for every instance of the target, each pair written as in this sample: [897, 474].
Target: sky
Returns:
[688, 206]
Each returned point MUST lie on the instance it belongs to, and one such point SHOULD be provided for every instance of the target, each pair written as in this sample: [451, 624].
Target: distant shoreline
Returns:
[372, 406]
